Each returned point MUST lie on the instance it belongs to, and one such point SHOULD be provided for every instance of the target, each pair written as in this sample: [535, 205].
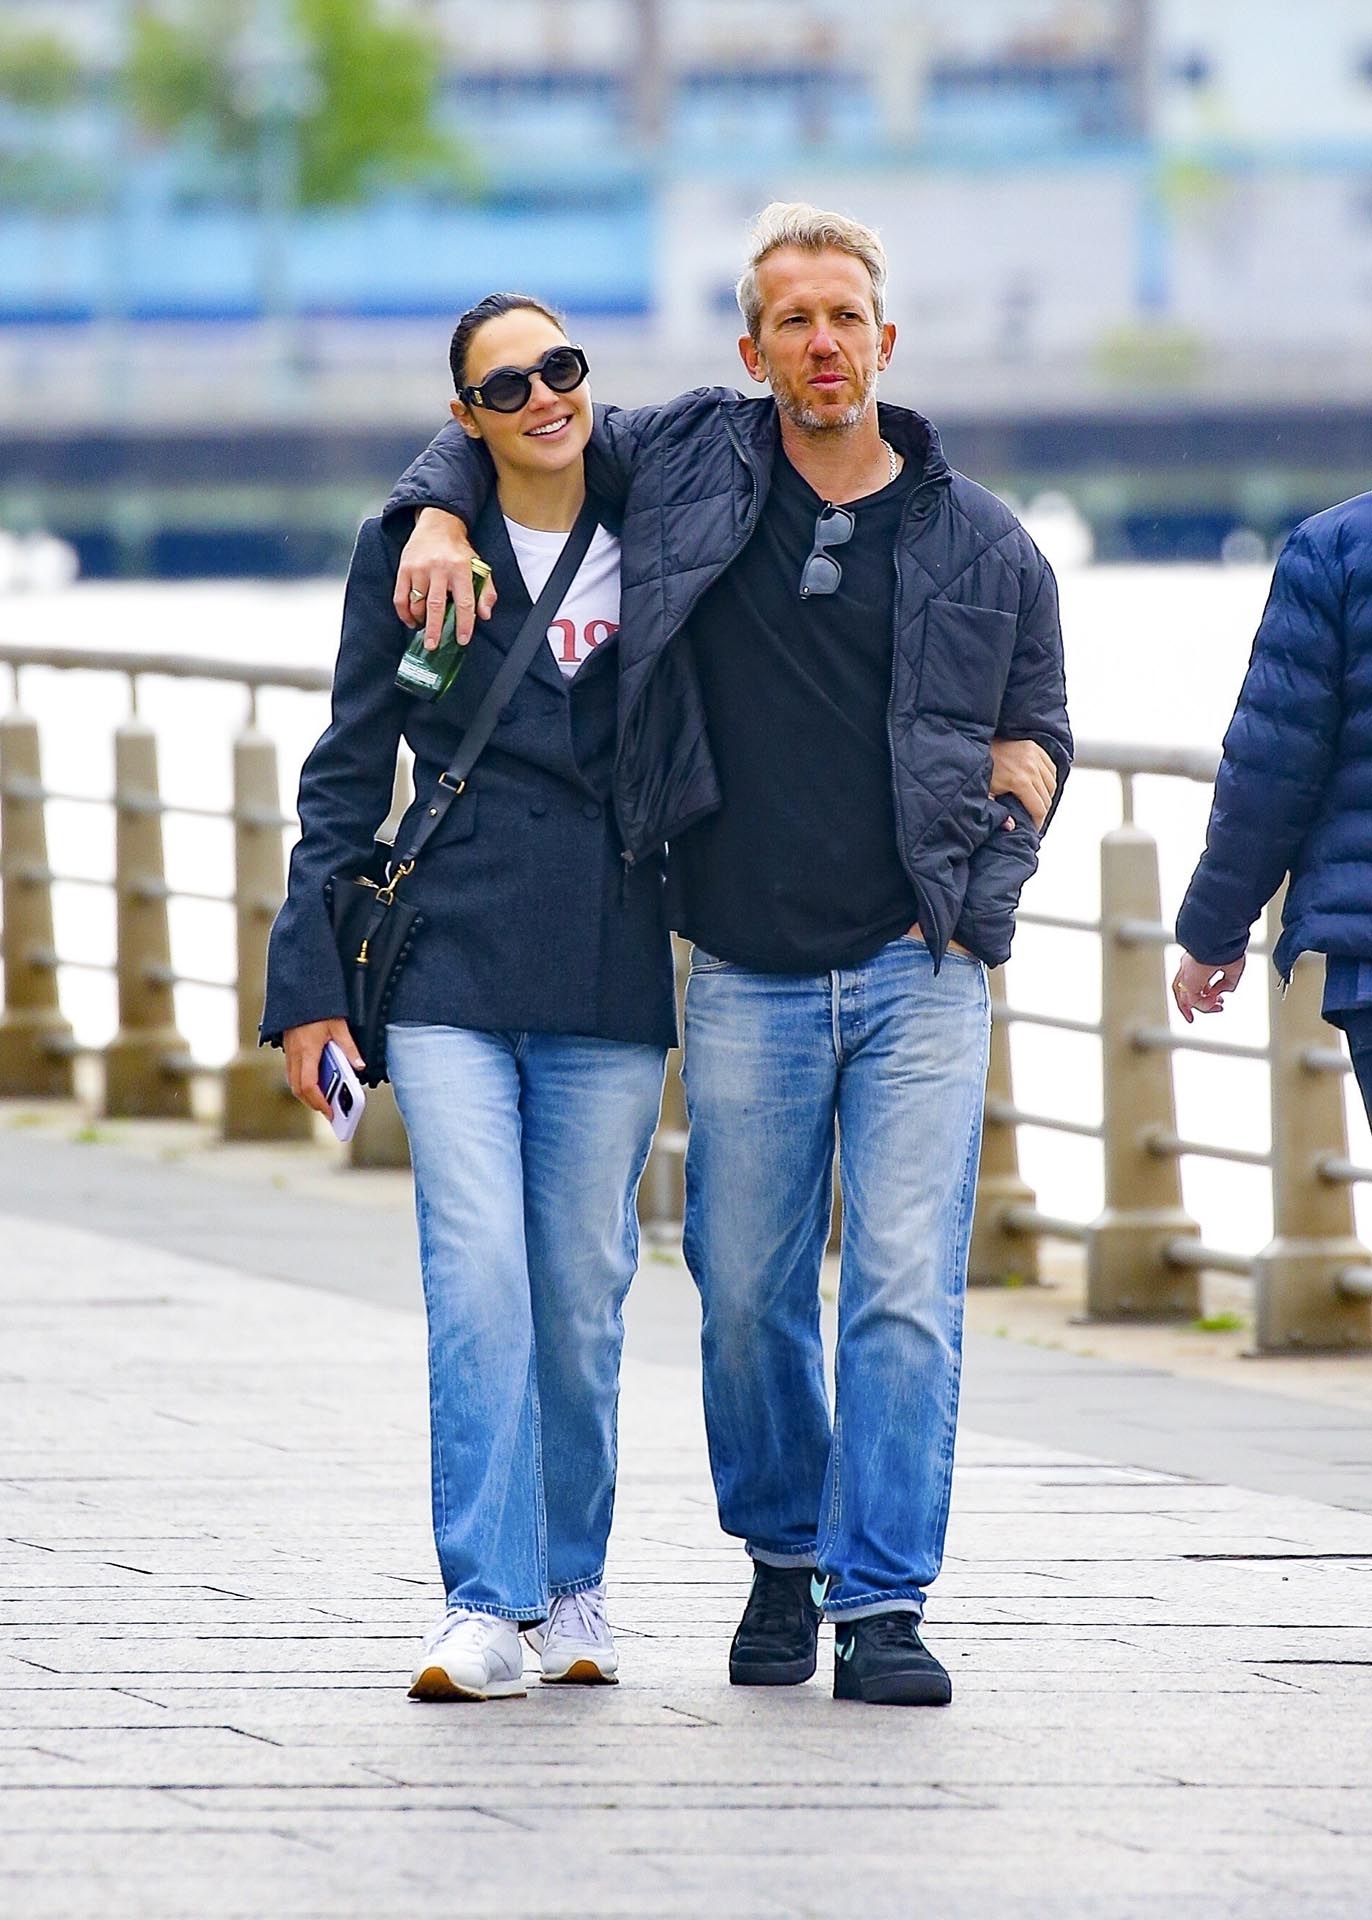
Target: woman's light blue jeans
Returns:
[527, 1152]
[893, 1056]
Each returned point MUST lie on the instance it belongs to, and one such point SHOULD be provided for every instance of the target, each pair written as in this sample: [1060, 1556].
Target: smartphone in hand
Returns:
[342, 1089]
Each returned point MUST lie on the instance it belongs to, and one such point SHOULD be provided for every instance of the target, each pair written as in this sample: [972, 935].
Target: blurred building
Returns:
[1131, 244]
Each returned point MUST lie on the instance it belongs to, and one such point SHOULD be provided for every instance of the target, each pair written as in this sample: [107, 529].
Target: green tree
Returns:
[39, 73]
[37, 70]
[361, 91]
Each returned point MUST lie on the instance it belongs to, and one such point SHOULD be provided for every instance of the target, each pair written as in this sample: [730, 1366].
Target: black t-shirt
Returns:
[799, 871]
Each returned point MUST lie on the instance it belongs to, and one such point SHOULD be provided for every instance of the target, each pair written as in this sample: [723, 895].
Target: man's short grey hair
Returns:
[794, 223]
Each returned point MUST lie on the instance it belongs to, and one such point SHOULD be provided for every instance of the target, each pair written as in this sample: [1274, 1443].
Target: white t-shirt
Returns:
[589, 615]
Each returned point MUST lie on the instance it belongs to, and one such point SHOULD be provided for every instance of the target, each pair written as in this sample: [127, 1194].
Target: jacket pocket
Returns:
[967, 653]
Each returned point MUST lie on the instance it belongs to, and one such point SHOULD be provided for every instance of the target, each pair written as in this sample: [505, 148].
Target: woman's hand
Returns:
[1021, 767]
[436, 567]
[1199, 988]
[303, 1047]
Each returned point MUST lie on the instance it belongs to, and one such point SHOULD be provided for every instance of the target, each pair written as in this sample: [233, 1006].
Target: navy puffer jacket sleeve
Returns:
[1278, 753]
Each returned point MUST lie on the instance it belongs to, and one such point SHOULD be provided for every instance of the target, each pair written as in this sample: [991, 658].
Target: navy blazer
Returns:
[532, 920]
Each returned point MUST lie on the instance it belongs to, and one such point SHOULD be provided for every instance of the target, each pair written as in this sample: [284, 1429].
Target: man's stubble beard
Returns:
[810, 421]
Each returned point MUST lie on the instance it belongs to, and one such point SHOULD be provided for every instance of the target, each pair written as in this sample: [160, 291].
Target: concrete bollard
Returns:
[997, 1254]
[1128, 1275]
[257, 1100]
[1299, 1303]
[142, 1080]
[380, 1139]
[36, 1046]
[662, 1191]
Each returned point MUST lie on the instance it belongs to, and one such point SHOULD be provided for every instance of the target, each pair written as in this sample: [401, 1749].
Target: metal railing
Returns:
[1144, 1253]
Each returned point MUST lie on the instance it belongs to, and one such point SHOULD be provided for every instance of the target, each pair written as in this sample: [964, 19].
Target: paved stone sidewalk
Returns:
[216, 1563]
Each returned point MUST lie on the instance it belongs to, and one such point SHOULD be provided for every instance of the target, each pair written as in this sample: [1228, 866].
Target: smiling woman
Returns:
[526, 1035]
[522, 389]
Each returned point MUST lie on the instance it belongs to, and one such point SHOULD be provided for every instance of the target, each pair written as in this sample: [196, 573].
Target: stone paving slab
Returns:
[1163, 1679]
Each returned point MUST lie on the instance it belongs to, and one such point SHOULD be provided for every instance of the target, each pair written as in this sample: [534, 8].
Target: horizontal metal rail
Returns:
[64, 1046]
[1177, 763]
[169, 666]
[158, 976]
[1171, 1146]
[1202, 1259]
[1346, 1173]
[1325, 1060]
[1030, 1220]
[1059, 922]
[149, 804]
[1023, 1017]
[1163, 1040]
[1003, 1114]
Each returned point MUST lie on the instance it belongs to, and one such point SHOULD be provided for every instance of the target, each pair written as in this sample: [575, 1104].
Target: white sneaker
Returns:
[470, 1656]
[575, 1642]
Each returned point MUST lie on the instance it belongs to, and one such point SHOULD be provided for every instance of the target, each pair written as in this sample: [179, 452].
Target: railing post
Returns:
[257, 1101]
[380, 1140]
[1299, 1304]
[36, 1047]
[143, 1078]
[998, 1254]
[1128, 1275]
[662, 1191]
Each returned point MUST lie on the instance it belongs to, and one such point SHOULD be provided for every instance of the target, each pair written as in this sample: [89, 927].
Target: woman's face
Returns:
[550, 432]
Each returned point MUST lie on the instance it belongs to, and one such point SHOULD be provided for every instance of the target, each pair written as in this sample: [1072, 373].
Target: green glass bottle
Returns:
[427, 674]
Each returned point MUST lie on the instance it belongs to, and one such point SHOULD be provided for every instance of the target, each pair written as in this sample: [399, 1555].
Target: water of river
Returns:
[1154, 654]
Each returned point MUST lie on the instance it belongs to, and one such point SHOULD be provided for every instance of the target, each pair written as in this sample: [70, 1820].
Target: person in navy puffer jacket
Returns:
[1294, 791]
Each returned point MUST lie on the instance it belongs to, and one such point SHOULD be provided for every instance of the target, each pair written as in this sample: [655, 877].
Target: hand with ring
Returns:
[436, 567]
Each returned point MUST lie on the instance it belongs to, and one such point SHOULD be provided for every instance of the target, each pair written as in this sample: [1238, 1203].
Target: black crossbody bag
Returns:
[375, 930]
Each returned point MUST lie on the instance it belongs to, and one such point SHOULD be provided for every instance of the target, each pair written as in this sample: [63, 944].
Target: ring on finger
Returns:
[418, 593]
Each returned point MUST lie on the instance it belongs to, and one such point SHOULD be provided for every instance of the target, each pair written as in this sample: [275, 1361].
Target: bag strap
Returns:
[532, 635]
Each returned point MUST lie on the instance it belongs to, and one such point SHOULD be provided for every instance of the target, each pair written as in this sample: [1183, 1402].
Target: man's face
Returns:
[819, 347]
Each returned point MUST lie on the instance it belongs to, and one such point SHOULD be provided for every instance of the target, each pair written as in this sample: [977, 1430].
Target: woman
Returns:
[527, 1034]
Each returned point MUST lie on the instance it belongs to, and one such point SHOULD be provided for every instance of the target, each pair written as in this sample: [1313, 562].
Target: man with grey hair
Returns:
[832, 648]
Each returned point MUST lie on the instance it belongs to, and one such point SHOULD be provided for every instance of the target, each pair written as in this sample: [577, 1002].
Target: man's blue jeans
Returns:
[893, 1056]
[527, 1151]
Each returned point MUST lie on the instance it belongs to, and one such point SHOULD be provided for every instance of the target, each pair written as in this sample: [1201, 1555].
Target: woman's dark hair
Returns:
[490, 308]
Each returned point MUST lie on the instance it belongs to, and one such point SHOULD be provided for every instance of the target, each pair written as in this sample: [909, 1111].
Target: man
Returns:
[823, 627]
[1294, 791]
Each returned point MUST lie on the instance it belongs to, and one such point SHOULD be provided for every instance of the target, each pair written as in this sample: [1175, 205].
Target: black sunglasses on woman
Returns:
[507, 389]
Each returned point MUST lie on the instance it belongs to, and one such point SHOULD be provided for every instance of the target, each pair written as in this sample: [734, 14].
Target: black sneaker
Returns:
[778, 1636]
[882, 1660]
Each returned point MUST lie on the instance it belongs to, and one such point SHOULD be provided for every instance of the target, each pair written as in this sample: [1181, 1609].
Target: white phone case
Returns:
[342, 1089]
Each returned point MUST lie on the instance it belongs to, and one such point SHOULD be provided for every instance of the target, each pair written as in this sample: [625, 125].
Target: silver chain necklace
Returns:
[892, 461]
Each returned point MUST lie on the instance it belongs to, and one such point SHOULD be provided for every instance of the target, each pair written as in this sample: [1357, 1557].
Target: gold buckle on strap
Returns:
[386, 894]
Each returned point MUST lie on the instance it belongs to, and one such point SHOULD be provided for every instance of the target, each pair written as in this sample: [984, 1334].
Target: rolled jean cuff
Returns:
[864, 1609]
[765, 1557]
[563, 1589]
[521, 1616]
